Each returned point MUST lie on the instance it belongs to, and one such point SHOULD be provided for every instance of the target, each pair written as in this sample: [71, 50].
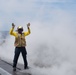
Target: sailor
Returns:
[20, 44]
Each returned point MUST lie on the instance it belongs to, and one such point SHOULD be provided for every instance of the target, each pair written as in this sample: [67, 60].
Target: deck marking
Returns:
[4, 72]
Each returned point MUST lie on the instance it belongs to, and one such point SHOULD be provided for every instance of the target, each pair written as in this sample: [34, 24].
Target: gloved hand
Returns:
[13, 25]
[28, 25]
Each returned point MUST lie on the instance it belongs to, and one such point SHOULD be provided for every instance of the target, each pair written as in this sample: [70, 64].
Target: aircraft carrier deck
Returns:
[6, 69]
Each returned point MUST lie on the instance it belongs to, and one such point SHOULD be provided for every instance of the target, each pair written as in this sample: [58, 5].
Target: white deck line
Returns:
[4, 72]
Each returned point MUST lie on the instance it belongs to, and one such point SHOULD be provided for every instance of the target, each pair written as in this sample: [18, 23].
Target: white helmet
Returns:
[20, 28]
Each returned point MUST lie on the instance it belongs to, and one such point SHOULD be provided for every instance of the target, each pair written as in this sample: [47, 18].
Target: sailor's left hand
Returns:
[28, 24]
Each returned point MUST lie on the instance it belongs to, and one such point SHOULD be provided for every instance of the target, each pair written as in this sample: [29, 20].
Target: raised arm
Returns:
[28, 32]
[12, 30]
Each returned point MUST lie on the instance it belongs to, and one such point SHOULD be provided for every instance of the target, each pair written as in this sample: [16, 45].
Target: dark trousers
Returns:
[19, 50]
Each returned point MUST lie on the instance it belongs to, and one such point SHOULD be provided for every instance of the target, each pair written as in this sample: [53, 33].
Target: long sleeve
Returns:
[28, 32]
[12, 32]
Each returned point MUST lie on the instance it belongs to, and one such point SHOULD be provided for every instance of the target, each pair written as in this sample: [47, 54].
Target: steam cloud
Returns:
[51, 44]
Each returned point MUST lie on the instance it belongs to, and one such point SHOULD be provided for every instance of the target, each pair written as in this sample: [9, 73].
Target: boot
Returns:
[14, 69]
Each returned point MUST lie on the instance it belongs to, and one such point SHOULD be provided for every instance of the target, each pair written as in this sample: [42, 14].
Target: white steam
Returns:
[51, 48]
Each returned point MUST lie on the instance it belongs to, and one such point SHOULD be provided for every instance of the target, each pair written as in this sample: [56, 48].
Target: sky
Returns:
[21, 12]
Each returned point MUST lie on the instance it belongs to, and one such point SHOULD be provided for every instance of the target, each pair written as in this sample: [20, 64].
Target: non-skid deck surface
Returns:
[6, 69]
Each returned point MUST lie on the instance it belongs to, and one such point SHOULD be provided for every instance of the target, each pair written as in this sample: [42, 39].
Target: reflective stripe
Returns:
[3, 72]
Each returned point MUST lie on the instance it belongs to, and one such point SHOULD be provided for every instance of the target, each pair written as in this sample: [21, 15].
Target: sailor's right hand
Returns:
[13, 26]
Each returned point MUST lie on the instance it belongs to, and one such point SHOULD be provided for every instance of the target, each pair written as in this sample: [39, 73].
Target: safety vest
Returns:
[20, 40]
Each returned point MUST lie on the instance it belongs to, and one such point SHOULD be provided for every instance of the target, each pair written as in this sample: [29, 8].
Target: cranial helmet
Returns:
[20, 28]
